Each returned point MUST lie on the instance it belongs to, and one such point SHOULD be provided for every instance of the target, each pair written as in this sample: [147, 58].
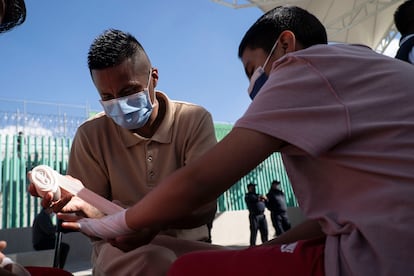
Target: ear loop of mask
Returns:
[259, 76]
[271, 53]
[148, 87]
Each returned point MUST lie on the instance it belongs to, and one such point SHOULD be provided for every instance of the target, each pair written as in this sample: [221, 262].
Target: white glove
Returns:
[108, 227]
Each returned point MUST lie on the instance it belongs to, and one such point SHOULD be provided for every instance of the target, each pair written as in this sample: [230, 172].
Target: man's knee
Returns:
[145, 260]
[156, 258]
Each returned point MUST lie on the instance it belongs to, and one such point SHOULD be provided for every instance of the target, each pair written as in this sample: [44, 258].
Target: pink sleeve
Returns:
[299, 105]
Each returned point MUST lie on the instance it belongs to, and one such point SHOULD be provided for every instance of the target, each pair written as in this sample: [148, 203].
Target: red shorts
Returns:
[45, 271]
[301, 258]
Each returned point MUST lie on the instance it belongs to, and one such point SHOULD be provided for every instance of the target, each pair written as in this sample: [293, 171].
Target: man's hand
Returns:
[81, 208]
[67, 202]
[3, 245]
[47, 200]
[263, 198]
[125, 243]
[106, 228]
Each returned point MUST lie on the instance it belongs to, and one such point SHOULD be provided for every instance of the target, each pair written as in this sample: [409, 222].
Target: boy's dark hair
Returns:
[14, 15]
[404, 18]
[264, 32]
[113, 47]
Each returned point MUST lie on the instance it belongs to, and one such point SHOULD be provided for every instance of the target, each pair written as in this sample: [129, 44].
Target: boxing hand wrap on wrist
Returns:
[108, 227]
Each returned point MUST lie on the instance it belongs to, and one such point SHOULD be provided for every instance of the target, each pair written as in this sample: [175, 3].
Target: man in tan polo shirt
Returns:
[122, 153]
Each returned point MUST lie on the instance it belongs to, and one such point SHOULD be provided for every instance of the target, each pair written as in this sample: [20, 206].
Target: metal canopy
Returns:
[368, 22]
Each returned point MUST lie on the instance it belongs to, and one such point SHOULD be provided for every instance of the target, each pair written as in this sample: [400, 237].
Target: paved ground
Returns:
[86, 272]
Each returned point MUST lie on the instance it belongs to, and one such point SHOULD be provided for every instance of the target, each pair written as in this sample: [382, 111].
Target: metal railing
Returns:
[39, 118]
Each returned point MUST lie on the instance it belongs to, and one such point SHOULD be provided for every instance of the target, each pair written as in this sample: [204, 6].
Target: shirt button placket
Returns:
[150, 167]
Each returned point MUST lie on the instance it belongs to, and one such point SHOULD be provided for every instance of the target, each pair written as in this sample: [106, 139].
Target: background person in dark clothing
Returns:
[256, 205]
[276, 203]
[44, 234]
[404, 21]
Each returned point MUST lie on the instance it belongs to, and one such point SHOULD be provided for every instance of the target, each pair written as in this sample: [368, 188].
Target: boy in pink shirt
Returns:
[343, 118]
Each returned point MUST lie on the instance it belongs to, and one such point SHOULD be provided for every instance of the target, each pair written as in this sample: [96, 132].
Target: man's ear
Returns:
[154, 76]
[288, 41]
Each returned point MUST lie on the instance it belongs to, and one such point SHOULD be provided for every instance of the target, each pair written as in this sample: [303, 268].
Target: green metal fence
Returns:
[263, 175]
[18, 154]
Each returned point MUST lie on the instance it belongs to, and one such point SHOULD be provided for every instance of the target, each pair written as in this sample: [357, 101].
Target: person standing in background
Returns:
[404, 21]
[257, 219]
[43, 230]
[44, 235]
[276, 203]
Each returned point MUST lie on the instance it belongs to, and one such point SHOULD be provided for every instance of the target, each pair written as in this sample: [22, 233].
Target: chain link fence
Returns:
[35, 118]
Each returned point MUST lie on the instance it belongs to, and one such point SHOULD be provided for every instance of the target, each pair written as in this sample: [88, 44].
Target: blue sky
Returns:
[193, 43]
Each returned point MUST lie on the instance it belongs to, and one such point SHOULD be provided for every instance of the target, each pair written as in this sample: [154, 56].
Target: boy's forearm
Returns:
[201, 216]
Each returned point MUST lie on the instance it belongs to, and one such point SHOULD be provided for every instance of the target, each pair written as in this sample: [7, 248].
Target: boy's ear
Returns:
[154, 76]
[288, 41]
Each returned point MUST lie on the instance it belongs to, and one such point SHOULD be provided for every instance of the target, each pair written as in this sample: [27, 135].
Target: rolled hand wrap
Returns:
[108, 227]
[46, 180]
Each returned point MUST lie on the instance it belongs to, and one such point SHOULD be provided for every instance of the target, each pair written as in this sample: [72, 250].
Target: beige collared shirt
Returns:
[123, 166]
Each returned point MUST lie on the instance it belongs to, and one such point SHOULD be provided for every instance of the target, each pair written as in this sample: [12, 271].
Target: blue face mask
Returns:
[259, 76]
[132, 111]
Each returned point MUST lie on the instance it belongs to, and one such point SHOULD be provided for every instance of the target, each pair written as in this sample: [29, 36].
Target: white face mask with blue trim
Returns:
[132, 111]
[259, 76]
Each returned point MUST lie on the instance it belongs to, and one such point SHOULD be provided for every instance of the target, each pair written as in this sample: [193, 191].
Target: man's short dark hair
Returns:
[113, 47]
[263, 33]
[14, 14]
[404, 18]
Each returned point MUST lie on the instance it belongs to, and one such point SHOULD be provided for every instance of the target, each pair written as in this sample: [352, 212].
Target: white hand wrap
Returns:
[46, 180]
[108, 227]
